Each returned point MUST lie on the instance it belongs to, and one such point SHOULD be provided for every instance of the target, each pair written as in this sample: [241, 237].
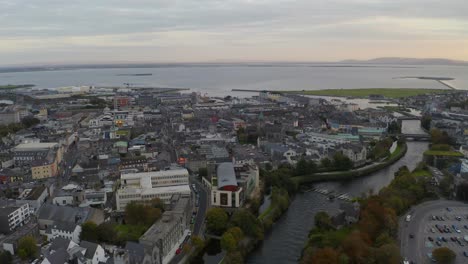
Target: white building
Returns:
[13, 216]
[232, 184]
[64, 230]
[145, 186]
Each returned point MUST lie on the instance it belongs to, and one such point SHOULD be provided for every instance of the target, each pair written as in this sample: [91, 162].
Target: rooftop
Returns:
[226, 175]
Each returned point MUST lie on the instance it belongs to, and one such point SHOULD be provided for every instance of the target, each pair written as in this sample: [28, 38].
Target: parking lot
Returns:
[435, 224]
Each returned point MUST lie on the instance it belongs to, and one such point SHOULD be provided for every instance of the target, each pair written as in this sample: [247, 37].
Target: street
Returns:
[203, 204]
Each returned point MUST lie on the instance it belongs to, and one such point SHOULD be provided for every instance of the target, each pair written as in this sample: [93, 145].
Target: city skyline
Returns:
[230, 31]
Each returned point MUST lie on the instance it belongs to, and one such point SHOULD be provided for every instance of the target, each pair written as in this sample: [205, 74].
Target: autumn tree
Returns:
[356, 246]
[444, 255]
[27, 248]
[325, 256]
[216, 220]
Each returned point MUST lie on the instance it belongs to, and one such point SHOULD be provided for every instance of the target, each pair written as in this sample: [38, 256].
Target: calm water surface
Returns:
[289, 234]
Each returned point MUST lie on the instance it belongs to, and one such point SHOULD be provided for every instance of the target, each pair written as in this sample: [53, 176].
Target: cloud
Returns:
[80, 27]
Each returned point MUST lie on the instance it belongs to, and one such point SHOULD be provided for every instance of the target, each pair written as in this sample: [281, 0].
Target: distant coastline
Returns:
[135, 74]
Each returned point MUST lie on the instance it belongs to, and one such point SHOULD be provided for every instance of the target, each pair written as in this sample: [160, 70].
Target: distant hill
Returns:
[407, 61]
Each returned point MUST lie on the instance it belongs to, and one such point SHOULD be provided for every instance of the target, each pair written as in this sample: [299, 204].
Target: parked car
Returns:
[465, 254]
[448, 209]
[430, 238]
[438, 243]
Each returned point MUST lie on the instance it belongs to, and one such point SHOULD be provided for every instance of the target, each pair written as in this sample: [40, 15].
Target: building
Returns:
[45, 168]
[64, 230]
[165, 236]
[8, 115]
[24, 154]
[144, 186]
[231, 184]
[35, 197]
[356, 153]
[13, 216]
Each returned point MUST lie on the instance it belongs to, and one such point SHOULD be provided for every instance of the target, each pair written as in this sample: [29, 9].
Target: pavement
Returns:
[416, 249]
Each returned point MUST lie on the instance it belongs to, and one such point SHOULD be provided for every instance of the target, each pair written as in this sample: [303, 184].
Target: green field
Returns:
[14, 86]
[365, 92]
[443, 153]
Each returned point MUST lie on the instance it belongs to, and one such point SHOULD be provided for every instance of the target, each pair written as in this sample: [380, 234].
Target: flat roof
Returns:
[35, 146]
[166, 189]
[130, 176]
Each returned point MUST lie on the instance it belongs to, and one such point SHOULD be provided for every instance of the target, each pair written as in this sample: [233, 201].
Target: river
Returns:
[289, 235]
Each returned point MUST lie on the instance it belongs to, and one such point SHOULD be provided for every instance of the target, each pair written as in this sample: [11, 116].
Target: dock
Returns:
[339, 196]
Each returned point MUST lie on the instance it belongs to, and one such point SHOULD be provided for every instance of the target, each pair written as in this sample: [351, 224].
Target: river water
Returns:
[289, 235]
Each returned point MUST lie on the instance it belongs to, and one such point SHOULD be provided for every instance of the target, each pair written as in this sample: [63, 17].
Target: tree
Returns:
[386, 254]
[6, 257]
[301, 167]
[216, 220]
[444, 255]
[326, 163]
[325, 256]
[29, 121]
[356, 246]
[228, 242]
[89, 232]
[157, 203]
[106, 233]
[426, 122]
[234, 257]
[323, 221]
[249, 224]
[341, 162]
[27, 248]
[140, 214]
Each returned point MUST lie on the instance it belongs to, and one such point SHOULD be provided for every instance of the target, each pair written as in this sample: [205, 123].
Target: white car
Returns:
[408, 218]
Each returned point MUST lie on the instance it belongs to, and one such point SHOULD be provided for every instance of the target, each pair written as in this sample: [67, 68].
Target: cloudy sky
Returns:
[80, 31]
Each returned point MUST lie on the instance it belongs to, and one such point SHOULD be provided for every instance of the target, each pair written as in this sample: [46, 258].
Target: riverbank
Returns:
[399, 152]
[366, 92]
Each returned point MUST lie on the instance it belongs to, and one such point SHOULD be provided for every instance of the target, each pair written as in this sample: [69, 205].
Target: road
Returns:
[198, 226]
[416, 249]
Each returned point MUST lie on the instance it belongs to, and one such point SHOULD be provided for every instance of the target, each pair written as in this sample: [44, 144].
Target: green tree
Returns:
[89, 232]
[27, 248]
[6, 257]
[249, 224]
[426, 122]
[301, 167]
[234, 257]
[386, 254]
[228, 242]
[157, 203]
[141, 214]
[216, 220]
[326, 163]
[29, 121]
[341, 162]
[444, 255]
[106, 233]
[323, 221]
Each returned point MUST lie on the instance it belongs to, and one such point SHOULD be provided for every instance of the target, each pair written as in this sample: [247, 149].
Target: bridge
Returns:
[414, 137]
[408, 117]
[417, 137]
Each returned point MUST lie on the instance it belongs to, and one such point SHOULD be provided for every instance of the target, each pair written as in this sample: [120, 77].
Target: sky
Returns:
[105, 31]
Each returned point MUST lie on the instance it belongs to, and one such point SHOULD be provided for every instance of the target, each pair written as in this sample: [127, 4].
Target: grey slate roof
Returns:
[226, 175]
[90, 248]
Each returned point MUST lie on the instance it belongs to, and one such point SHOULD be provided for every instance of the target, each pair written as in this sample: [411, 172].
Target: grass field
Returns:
[387, 92]
[12, 86]
[130, 232]
[443, 153]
